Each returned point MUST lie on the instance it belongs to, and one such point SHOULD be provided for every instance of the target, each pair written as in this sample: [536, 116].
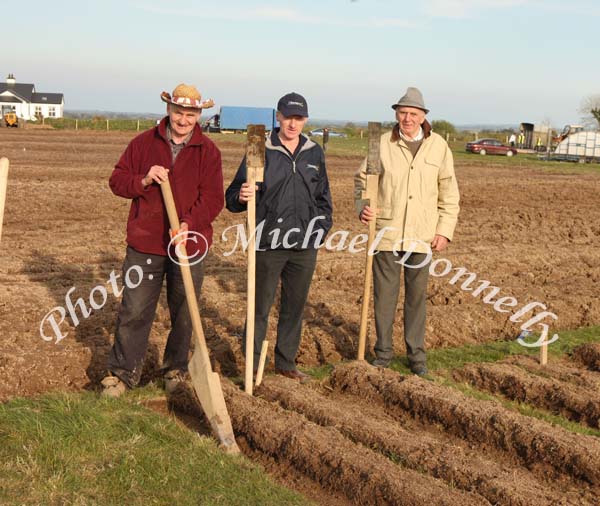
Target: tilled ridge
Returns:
[563, 370]
[589, 355]
[329, 458]
[574, 403]
[457, 465]
[532, 441]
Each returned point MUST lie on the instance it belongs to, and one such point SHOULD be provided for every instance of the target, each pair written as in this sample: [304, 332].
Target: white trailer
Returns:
[579, 147]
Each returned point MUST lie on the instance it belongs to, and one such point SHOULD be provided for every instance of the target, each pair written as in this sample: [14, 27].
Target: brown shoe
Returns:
[294, 374]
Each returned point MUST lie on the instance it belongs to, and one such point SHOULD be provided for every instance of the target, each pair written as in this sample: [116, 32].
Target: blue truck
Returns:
[237, 118]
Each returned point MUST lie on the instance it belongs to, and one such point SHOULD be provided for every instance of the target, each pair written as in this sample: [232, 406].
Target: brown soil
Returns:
[589, 355]
[560, 369]
[416, 442]
[63, 228]
[335, 462]
[575, 403]
[453, 461]
[542, 448]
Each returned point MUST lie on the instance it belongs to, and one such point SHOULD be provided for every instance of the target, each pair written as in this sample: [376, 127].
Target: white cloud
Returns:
[268, 13]
[467, 8]
[460, 9]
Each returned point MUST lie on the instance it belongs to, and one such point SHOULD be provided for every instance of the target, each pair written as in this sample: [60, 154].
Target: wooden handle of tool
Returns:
[3, 185]
[364, 310]
[371, 190]
[261, 362]
[186, 273]
[251, 287]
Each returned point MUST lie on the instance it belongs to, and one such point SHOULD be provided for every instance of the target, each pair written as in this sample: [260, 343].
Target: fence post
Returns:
[76, 124]
[107, 125]
[138, 127]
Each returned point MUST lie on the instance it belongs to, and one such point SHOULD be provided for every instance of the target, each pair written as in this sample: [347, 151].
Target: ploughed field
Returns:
[363, 436]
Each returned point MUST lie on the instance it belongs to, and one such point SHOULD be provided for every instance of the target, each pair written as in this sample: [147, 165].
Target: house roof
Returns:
[9, 99]
[21, 90]
[47, 98]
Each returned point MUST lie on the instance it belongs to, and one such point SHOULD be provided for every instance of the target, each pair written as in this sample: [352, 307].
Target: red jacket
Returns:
[196, 180]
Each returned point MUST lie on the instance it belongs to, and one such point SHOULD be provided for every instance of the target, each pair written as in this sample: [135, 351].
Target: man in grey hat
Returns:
[418, 202]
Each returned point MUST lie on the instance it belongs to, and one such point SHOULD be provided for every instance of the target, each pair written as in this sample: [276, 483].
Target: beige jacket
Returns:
[417, 197]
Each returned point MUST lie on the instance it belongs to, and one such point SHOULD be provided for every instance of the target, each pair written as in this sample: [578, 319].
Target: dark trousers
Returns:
[386, 284]
[137, 312]
[295, 269]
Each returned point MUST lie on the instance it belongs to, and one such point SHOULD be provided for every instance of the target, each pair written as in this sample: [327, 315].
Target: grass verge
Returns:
[79, 449]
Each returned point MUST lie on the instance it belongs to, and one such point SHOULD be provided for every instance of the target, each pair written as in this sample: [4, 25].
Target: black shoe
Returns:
[384, 363]
[419, 369]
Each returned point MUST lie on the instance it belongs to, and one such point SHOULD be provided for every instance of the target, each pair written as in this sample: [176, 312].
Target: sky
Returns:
[475, 61]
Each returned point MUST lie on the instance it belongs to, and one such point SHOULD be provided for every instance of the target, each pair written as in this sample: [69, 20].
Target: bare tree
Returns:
[590, 106]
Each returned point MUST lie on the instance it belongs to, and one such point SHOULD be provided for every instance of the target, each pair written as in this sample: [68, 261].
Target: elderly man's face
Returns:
[410, 120]
[182, 120]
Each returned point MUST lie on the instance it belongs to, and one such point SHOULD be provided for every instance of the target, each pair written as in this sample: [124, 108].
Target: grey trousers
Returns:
[137, 311]
[386, 284]
[295, 268]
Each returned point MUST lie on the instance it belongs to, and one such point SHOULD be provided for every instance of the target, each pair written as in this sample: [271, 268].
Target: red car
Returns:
[490, 147]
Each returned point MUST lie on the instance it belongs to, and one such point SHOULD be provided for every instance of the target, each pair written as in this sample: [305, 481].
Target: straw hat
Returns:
[186, 96]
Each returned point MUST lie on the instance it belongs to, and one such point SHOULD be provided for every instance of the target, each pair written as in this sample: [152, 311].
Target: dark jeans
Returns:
[386, 285]
[295, 268]
[137, 312]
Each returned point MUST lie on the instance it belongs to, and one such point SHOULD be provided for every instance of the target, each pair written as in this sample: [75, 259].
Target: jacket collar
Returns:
[274, 143]
[396, 131]
[197, 135]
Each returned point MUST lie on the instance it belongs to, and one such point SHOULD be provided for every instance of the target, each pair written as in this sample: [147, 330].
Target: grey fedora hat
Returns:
[412, 98]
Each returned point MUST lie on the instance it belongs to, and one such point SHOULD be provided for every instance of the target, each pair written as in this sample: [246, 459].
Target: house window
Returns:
[51, 112]
[38, 110]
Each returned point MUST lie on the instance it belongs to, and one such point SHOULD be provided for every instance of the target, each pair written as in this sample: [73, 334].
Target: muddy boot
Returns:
[112, 387]
[173, 379]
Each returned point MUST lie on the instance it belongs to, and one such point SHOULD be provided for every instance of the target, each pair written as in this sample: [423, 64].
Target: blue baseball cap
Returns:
[293, 104]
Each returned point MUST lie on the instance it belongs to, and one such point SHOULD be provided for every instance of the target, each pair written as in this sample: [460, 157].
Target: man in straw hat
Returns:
[418, 200]
[177, 151]
[294, 206]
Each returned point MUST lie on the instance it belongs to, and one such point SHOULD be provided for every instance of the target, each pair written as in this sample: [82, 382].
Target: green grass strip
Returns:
[80, 449]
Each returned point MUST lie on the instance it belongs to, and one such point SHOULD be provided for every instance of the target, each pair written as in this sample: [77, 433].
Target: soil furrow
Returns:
[456, 465]
[574, 403]
[538, 445]
[329, 458]
[562, 370]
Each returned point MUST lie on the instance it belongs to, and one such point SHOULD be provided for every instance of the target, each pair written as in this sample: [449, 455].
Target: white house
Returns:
[22, 99]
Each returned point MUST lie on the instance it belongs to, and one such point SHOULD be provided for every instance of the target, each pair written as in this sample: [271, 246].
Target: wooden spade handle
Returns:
[186, 273]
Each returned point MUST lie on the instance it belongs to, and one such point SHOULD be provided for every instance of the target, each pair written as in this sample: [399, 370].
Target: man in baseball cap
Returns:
[293, 203]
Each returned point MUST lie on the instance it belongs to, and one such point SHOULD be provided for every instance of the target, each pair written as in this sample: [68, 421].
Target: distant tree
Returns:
[590, 107]
[443, 127]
